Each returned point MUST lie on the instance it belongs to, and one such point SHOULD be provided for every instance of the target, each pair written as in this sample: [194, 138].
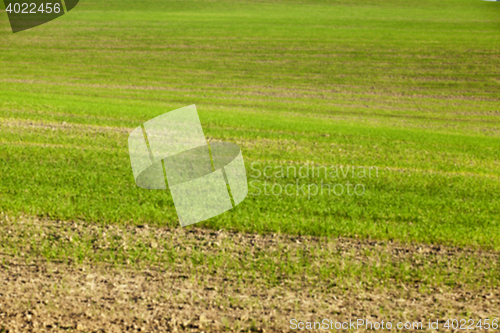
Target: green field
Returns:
[410, 88]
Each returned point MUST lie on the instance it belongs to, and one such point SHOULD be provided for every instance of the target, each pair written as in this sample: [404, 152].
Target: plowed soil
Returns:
[43, 294]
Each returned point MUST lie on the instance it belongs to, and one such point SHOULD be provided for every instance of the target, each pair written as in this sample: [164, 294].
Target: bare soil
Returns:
[38, 295]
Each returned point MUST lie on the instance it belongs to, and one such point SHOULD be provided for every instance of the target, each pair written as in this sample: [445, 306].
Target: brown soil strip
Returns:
[184, 295]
